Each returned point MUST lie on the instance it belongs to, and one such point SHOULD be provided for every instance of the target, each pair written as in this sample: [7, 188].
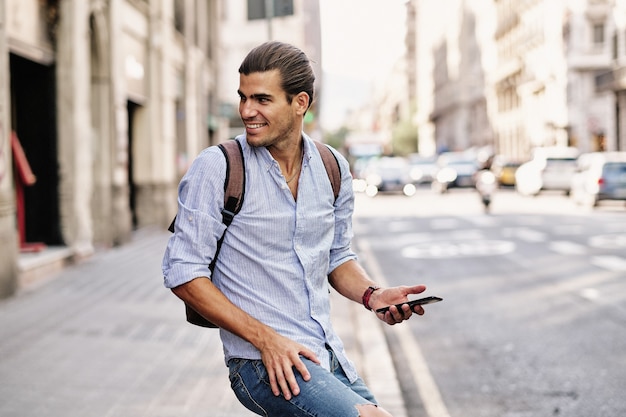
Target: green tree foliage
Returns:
[337, 139]
[404, 138]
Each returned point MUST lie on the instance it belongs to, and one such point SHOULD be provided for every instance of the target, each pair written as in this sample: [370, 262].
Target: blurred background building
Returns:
[516, 75]
[104, 103]
[108, 101]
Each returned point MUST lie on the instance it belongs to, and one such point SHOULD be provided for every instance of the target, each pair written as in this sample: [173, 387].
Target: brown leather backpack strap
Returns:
[332, 166]
[234, 187]
[235, 183]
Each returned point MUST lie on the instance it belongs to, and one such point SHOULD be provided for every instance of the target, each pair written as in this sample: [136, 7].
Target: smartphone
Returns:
[419, 301]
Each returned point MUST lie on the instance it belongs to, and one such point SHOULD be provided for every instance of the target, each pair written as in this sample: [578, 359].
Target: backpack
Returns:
[234, 186]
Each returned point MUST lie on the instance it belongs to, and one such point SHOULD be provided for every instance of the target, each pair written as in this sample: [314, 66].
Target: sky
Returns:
[361, 41]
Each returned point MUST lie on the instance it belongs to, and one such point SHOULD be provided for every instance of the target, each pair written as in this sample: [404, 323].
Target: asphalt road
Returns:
[533, 321]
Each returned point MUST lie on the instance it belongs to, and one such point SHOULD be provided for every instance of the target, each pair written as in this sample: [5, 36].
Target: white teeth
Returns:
[255, 126]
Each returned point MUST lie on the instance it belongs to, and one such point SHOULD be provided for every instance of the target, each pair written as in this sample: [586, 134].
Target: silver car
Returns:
[600, 176]
[551, 168]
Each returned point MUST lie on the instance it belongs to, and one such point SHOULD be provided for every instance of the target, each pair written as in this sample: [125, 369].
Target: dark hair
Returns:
[293, 64]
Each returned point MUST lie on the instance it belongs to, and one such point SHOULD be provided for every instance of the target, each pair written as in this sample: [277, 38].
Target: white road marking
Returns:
[567, 248]
[439, 224]
[525, 234]
[614, 241]
[426, 385]
[457, 248]
[612, 263]
[569, 229]
[590, 294]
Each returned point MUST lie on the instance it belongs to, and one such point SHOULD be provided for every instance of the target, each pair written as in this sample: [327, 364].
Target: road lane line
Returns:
[612, 263]
[526, 234]
[565, 247]
[427, 387]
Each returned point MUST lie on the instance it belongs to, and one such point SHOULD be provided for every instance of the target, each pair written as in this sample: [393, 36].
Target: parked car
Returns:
[455, 169]
[422, 168]
[551, 168]
[504, 170]
[600, 176]
[388, 174]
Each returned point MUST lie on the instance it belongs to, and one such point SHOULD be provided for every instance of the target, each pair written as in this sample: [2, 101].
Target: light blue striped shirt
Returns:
[277, 252]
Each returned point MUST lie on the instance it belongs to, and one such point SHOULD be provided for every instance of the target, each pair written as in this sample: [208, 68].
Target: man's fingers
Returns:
[310, 355]
[397, 315]
[281, 370]
[288, 386]
[419, 310]
[279, 384]
[283, 379]
[417, 289]
[301, 367]
[402, 313]
[273, 382]
[291, 387]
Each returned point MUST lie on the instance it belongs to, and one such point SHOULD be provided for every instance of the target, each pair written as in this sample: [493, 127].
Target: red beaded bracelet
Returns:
[366, 297]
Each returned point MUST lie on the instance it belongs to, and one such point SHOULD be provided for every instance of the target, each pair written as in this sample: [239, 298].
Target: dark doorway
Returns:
[132, 108]
[33, 118]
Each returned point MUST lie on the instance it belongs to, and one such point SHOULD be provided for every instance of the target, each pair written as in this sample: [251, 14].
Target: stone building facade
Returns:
[109, 100]
[520, 74]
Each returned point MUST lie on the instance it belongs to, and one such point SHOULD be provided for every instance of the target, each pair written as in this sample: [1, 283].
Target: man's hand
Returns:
[280, 355]
[396, 295]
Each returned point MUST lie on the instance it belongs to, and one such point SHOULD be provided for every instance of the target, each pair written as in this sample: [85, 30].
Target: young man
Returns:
[268, 292]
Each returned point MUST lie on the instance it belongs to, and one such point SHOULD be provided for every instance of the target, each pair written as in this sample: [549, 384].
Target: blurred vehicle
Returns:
[486, 184]
[504, 170]
[455, 169]
[388, 174]
[422, 168]
[600, 176]
[551, 168]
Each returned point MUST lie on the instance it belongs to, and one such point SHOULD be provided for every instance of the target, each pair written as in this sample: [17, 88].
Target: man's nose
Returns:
[247, 109]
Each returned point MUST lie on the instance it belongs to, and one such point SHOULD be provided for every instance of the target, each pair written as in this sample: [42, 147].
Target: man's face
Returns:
[263, 107]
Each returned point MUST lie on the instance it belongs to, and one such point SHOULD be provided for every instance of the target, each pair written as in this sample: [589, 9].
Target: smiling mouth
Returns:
[254, 125]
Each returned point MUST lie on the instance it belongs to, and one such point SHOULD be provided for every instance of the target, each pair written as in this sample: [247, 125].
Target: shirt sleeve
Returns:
[198, 224]
[341, 250]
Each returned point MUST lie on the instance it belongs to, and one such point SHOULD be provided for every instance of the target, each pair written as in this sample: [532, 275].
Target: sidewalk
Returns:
[104, 338]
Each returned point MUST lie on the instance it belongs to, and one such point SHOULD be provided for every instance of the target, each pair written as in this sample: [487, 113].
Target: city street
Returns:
[534, 311]
[531, 323]
[105, 106]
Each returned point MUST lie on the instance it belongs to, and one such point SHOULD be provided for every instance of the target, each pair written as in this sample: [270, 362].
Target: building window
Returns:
[179, 16]
[598, 34]
[257, 8]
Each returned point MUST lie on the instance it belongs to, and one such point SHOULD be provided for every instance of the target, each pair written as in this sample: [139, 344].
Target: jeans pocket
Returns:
[234, 365]
[245, 379]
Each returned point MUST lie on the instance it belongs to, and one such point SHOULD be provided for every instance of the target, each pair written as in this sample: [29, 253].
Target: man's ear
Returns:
[302, 102]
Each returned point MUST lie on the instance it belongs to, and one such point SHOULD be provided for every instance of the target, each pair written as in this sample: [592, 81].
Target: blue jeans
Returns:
[326, 394]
